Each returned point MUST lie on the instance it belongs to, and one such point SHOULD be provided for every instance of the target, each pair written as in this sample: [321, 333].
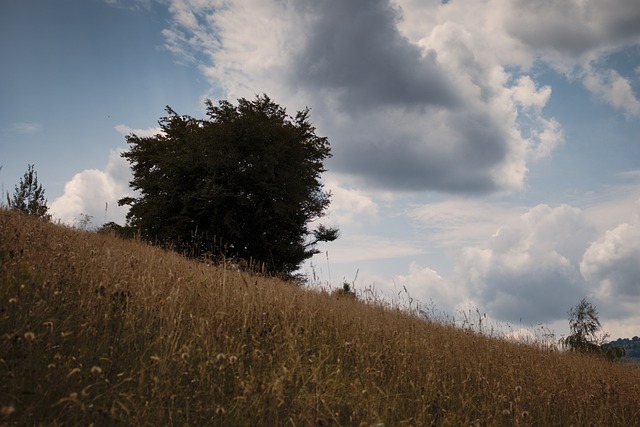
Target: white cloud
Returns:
[24, 127]
[427, 287]
[546, 138]
[528, 95]
[350, 206]
[149, 132]
[614, 90]
[91, 191]
[612, 265]
[529, 268]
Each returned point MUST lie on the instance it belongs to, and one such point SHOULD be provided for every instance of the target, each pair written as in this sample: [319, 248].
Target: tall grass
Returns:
[97, 330]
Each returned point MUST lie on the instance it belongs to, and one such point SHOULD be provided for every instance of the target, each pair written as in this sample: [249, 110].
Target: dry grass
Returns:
[98, 330]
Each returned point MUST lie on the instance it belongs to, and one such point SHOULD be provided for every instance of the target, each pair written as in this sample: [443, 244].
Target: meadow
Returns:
[95, 330]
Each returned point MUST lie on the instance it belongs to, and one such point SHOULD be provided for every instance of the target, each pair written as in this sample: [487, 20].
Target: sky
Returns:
[486, 153]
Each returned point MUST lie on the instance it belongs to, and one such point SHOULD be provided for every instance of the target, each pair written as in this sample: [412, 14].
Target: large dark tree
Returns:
[28, 196]
[244, 182]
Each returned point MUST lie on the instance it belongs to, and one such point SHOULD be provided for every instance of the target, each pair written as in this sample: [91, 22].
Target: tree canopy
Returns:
[585, 328]
[28, 196]
[245, 182]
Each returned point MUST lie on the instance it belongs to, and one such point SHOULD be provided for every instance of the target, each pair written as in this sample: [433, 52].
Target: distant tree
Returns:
[28, 196]
[245, 183]
[586, 332]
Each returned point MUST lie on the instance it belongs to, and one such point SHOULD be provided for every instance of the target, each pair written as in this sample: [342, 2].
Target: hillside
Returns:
[98, 330]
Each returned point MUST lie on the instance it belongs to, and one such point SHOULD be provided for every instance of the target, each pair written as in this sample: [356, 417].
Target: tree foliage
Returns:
[245, 182]
[28, 196]
[586, 332]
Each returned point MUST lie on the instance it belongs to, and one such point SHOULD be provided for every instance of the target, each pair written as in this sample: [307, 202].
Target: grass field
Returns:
[98, 330]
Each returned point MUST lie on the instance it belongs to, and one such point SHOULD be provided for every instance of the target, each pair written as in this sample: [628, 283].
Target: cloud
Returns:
[427, 287]
[24, 127]
[613, 89]
[611, 265]
[411, 114]
[575, 37]
[126, 130]
[465, 222]
[96, 193]
[350, 206]
[529, 270]
[572, 29]
[354, 50]
[356, 248]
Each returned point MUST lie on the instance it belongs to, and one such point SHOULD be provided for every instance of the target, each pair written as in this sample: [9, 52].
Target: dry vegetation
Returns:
[96, 330]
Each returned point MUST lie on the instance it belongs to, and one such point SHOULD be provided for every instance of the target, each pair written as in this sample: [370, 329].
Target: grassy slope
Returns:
[98, 330]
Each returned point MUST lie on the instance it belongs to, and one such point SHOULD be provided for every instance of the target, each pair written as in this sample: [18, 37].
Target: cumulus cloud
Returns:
[613, 89]
[96, 193]
[432, 112]
[529, 270]
[611, 264]
[574, 37]
[350, 206]
[427, 287]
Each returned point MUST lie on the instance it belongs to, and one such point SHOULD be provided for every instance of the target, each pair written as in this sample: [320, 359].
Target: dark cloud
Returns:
[354, 49]
[412, 156]
[537, 297]
[573, 28]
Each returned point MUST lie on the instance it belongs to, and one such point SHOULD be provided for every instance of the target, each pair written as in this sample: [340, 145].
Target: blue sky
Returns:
[486, 152]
